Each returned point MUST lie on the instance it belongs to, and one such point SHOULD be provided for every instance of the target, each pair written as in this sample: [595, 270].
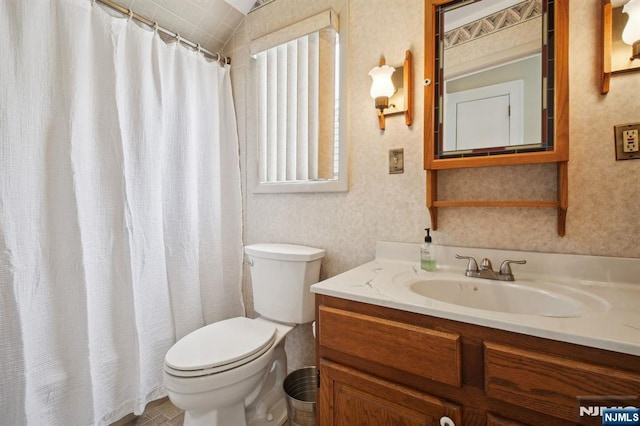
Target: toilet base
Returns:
[270, 406]
[276, 415]
[279, 413]
[233, 415]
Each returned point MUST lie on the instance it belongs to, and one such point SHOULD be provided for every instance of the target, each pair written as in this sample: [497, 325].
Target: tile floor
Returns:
[158, 413]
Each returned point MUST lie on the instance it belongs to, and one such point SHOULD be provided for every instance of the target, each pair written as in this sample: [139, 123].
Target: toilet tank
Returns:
[281, 275]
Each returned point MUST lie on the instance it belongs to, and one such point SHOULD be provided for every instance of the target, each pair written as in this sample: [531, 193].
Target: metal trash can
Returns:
[301, 390]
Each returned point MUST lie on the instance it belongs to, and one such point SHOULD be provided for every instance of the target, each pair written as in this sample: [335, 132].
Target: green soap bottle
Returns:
[427, 254]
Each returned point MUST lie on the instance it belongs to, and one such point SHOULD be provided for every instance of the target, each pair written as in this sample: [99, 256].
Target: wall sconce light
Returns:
[382, 87]
[392, 90]
[620, 28]
[631, 32]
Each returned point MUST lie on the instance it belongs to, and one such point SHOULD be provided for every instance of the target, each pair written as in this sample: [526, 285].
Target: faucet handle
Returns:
[505, 268]
[472, 266]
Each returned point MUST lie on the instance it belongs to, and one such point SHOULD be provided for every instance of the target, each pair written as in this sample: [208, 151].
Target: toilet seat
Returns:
[219, 347]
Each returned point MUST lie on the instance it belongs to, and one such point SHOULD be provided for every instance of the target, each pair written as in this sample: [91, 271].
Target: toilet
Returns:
[230, 373]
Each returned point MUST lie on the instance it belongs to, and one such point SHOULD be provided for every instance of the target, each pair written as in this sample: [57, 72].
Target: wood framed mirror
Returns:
[496, 91]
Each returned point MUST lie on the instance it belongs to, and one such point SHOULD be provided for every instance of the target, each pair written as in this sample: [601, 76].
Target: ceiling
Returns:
[212, 22]
[208, 22]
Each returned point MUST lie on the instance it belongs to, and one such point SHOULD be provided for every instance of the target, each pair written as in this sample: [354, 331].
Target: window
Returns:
[297, 114]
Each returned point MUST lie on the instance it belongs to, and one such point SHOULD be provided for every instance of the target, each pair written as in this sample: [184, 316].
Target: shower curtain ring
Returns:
[130, 14]
[198, 49]
[155, 27]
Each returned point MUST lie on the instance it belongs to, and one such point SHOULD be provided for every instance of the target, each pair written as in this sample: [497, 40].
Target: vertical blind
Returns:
[287, 124]
[296, 118]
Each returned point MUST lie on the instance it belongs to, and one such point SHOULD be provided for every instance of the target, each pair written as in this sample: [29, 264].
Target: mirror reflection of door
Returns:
[519, 82]
[486, 46]
[483, 121]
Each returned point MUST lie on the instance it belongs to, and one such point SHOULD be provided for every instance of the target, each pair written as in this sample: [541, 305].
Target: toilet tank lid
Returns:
[291, 252]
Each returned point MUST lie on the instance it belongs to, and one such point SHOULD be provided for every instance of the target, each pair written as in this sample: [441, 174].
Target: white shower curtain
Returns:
[120, 209]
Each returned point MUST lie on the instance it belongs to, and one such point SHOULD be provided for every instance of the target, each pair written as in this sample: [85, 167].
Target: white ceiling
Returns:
[208, 22]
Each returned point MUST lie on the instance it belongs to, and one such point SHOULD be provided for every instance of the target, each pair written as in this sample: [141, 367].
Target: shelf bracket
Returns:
[432, 196]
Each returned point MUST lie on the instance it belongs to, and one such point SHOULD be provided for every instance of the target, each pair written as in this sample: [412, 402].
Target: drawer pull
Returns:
[446, 421]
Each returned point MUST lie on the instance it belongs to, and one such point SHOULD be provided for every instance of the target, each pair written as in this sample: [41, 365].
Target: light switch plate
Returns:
[626, 147]
[396, 161]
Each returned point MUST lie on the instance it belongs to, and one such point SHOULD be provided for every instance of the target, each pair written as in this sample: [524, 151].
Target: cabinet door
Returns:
[349, 397]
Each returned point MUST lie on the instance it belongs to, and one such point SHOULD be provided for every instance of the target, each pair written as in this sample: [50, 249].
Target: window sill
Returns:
[334, 185]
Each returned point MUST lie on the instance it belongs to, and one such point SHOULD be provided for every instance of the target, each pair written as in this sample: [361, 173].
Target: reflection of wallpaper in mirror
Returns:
[517, 31]
[514, 15]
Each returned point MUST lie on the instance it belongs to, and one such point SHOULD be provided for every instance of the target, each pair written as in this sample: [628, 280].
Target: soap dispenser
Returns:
[427, 254]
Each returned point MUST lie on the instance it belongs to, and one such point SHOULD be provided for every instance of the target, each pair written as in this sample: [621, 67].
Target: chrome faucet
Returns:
[486, 269]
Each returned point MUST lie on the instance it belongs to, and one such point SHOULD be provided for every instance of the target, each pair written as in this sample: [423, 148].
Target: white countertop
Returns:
[613, 323]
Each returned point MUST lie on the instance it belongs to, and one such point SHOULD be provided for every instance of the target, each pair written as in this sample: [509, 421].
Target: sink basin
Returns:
[542, 299]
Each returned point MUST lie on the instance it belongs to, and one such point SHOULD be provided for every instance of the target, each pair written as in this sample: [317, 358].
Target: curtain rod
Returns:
[154, 24]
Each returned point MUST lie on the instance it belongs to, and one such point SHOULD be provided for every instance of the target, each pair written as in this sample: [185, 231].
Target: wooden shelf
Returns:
[482, 203]
[561, 203]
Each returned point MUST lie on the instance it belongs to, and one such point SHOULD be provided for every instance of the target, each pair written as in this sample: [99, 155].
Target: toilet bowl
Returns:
[230, 373]
[217, 390]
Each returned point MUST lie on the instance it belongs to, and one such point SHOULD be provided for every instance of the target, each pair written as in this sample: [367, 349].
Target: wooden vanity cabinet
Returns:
[383, 366]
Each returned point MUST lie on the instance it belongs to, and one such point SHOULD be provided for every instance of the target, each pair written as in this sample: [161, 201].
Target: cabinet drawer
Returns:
[493, 420]
[427, 353]
[550, 383]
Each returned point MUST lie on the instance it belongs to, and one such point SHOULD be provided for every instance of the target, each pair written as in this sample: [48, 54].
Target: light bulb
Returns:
[382, 85]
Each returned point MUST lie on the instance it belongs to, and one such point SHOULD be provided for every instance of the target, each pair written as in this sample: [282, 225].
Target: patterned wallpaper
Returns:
[603, 202]
[380, 206]
[495, 22]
